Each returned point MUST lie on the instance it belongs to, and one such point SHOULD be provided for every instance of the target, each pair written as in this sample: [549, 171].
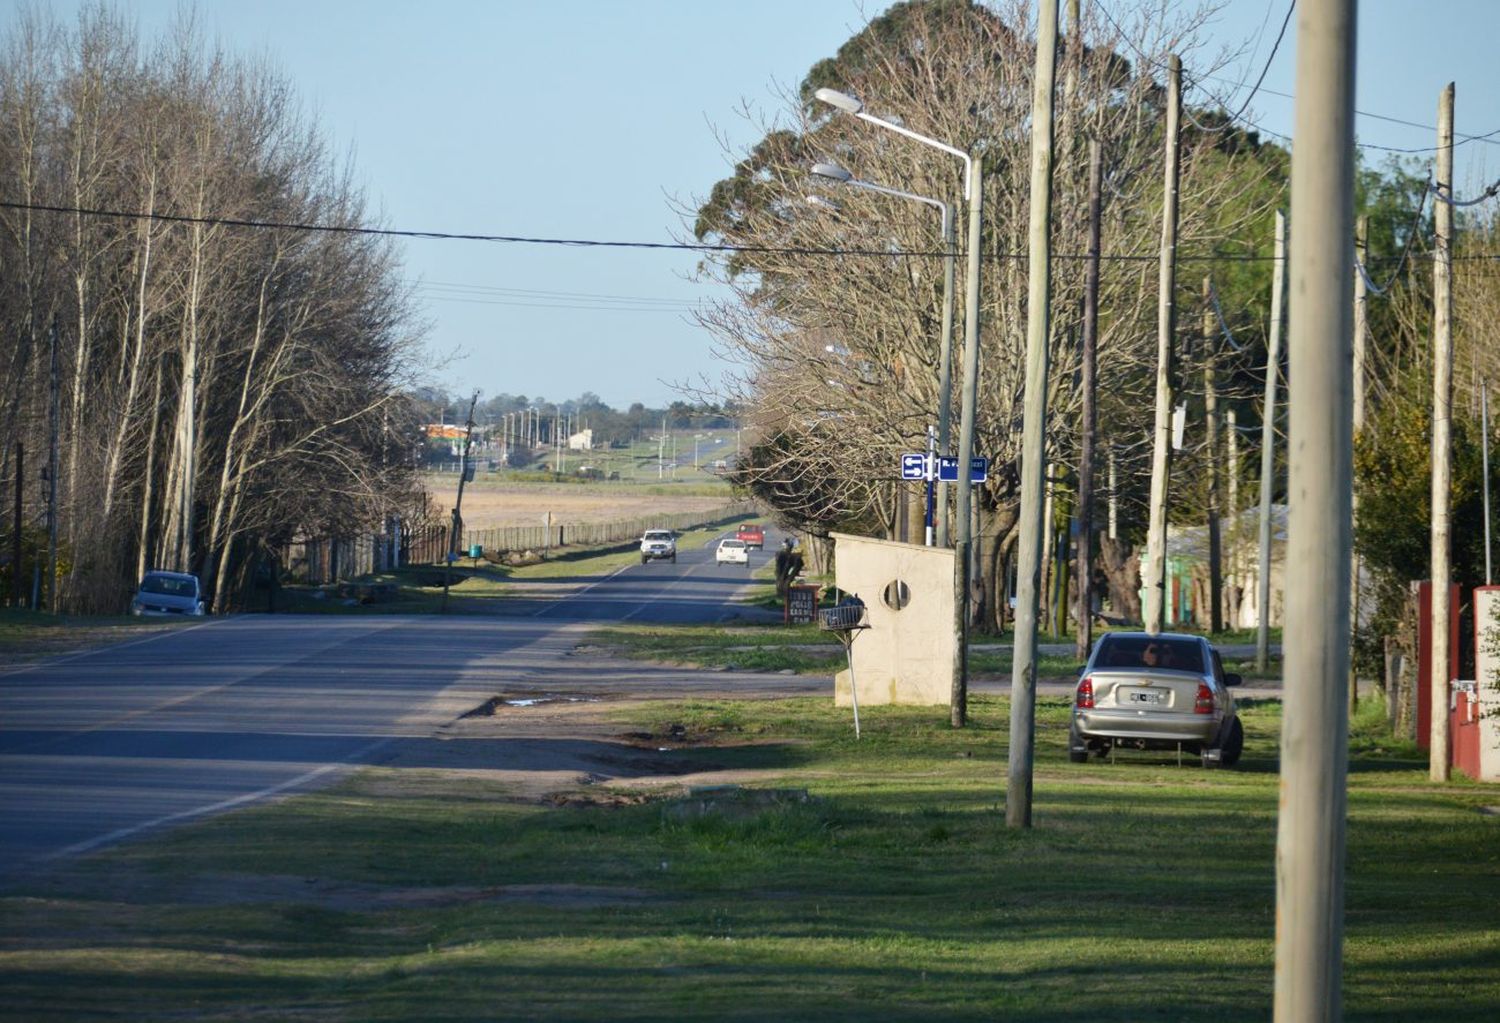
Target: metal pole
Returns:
[959, 699]
[945, 367]
[1442, 440]
[1268, 450]
[1090, 347]
[1166, 315]
[1033, 426]
[17, 588]
[1314, 730]
[457, 521]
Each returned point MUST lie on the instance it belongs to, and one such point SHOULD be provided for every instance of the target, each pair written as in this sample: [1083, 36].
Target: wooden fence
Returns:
[320, 561]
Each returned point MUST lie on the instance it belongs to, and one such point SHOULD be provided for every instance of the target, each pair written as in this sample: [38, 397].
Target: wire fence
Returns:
[318, 561]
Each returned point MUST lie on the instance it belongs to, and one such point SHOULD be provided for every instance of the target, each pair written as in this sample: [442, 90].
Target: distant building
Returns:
[583, 440]
[445, 431]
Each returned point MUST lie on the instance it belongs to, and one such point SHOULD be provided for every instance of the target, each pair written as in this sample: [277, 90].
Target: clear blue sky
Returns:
[581, 119]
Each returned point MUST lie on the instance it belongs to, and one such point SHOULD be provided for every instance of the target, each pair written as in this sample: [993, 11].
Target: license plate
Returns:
[1146, 696]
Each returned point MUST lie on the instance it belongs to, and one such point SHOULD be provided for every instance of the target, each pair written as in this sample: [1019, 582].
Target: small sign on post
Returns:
[979, 469]
[801, 605]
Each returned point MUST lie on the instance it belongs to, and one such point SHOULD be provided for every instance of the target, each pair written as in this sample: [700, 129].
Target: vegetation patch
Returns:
[868, 878]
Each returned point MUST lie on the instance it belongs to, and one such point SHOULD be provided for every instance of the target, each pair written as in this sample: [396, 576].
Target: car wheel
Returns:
[1234, 745]
[644, 559]
[674, 559]
[1078, 756]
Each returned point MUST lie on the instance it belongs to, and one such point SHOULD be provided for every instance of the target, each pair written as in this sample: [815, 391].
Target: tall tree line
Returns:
[218, 388]
[839, 352]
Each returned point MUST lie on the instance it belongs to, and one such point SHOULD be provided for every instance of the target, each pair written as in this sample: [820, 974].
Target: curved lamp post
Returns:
[833, 172]
[974, 193]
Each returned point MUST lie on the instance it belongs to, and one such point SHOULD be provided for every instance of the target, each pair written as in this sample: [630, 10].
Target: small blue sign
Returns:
[913, 466]
[978, 469]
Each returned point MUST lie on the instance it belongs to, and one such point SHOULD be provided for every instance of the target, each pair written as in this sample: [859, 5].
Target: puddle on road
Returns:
[489, 708]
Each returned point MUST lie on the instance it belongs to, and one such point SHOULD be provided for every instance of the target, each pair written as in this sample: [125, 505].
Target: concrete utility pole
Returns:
[17, 586]
[1085, 581]
[1484, 440]
[52, 460]
[1211, 417]
[1154, 610]
[1033, 426]
[1442, 439]
[1232, 460]
[457, 522]
[945, 368]
[1314, 730]
[959, 695]
[1268, 449]
[1361, 234]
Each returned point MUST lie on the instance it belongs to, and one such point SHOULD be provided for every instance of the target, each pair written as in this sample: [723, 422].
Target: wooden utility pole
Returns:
[1442, 439]
[1268, 450]
[1314, 729]
[1085, 560]
[1033, 426]
[1155, 580]
[1211, 417]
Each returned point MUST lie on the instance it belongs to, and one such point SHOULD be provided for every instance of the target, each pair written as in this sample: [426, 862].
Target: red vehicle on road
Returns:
[753, 535]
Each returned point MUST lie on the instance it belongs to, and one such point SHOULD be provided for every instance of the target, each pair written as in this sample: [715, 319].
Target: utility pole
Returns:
[17, 587]
[1166, 324]
[1085, 582]
[1484, 440]
[1211, 415]
[1033, 426]
[1236, 576]
[1442, 439]
[1314, 730]
[1361, 236]
[1268, 449]
[52, 478]
[457, 522]
[1114, 501]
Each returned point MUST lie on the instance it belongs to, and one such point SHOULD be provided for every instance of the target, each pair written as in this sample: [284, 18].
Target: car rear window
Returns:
[1150, 652]
[169, 585]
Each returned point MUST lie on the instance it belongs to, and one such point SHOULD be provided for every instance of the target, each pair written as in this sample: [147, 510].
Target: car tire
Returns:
[1078, 756]
[674, 559]
[644, 559]
[1234, 744]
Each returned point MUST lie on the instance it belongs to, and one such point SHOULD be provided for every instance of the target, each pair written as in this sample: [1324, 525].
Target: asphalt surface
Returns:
[103, 746]
[100, 747]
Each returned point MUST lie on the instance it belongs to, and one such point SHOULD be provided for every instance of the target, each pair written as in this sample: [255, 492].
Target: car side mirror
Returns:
[1231, 679]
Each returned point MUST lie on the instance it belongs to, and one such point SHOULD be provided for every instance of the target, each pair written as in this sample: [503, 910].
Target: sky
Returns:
[588, 119]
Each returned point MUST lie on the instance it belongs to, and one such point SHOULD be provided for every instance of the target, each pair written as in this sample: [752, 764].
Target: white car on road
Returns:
[732, 552]
[658, 545]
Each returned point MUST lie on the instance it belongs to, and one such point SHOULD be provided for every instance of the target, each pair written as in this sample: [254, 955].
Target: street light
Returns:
[974, 193]
[833, 172]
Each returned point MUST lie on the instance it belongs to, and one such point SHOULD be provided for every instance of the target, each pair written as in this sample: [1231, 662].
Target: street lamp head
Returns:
[832, 171]
[843, 101]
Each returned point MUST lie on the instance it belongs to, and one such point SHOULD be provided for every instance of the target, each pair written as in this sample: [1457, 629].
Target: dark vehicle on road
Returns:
[169, 593]
[1163, 692]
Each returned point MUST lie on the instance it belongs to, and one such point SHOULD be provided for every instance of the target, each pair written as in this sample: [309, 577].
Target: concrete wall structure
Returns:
[1487, 675]
[906, 655]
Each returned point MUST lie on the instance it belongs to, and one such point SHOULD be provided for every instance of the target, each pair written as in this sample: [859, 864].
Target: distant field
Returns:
[489, 505]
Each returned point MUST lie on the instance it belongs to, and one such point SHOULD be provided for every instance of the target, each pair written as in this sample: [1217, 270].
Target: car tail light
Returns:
[1085, 697]
[1205, 702]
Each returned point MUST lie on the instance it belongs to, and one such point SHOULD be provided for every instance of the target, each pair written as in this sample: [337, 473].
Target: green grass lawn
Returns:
[1143, 892]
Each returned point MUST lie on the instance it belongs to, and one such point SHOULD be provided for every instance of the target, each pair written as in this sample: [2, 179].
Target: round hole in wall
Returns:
[896, 595]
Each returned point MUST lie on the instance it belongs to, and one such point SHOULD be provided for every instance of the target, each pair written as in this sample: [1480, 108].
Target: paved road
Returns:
[99, 747]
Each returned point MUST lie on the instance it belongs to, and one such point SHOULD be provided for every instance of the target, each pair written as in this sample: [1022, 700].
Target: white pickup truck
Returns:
[658, 545]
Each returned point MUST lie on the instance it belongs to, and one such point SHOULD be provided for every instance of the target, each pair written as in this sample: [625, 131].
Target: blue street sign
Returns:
[979, 468]
[913, 466]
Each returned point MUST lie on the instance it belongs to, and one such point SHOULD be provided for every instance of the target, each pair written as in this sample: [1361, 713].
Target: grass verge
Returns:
[1144, 890]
